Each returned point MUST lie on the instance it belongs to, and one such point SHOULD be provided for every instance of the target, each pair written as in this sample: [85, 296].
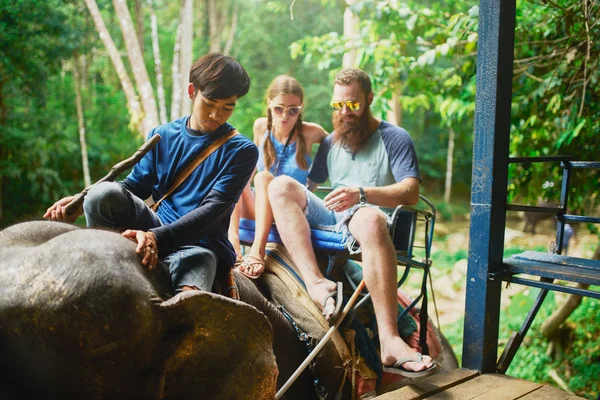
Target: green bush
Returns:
[578, 366]
[444, 260]
[452, 211]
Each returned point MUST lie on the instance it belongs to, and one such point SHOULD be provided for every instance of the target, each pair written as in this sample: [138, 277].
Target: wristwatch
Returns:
[362, 197]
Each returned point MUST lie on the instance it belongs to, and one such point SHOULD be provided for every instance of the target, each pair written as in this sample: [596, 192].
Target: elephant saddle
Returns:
[349, 363]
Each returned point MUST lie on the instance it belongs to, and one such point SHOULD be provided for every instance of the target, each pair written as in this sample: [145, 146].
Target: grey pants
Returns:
[110, 205]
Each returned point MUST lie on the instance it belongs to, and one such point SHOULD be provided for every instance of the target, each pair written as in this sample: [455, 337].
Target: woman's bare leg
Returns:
[263, 212]
[263, 217]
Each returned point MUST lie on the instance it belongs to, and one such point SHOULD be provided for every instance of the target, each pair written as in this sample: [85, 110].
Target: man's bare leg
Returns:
[369, 227]
[288, 201]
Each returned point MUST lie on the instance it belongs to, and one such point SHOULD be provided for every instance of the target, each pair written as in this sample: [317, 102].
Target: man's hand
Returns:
[342, 198]
[56, 212]
[146, 246]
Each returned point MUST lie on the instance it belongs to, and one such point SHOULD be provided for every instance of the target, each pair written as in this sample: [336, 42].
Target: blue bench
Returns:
[552, 266]
[555, 266]
[407, 225]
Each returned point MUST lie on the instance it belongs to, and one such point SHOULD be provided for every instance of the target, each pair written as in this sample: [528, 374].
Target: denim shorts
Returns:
[319, 217]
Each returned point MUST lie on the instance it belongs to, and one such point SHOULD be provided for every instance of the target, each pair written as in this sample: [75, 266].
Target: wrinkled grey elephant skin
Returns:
[81, 318]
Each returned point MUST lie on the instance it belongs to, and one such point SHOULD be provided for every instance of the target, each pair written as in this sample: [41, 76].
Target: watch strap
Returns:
[362, 198]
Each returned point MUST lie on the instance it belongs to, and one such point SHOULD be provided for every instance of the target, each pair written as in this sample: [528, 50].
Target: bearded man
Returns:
[373, 168]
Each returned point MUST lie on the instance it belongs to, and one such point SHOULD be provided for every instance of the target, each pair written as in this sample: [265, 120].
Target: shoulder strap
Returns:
[190, 168]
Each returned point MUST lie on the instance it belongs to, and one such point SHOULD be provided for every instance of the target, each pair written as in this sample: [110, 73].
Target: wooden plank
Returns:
[425, 387]
[546, 392]
[489, 386]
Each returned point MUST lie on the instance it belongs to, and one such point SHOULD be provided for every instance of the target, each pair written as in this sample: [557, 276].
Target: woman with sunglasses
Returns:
[284, 142]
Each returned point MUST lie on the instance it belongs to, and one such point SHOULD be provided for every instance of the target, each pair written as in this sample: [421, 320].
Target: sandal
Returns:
[249, 261]
[397, 368]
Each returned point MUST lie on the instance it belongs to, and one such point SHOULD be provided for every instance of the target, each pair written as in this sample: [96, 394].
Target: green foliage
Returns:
[446, 260]
[578, 366]
[42, 159]
[36, 37]
[267, 29]
[451, 211]
[424, 53]
[35, 147]
[454, 333]
[556, 99]
[421, 52]
[39, 145]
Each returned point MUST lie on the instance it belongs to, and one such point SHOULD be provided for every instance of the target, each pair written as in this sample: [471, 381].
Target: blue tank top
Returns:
[285, 164]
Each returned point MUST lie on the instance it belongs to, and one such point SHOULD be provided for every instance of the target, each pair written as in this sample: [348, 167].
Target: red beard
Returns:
[351, 132]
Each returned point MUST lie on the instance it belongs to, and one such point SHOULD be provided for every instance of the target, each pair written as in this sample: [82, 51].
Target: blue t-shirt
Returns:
[388, 157]
[199, 210]
[285, 161]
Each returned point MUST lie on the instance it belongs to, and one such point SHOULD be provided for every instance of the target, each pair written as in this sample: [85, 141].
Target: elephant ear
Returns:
[216, 347]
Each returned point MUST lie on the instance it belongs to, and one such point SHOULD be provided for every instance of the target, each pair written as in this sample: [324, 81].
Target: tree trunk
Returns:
[94, 79]
[176, 77]
[186, 20]
[559, 316]
[1, 186]
[3, 113]
[1, 191]
[139, 27]
[80, 120]
[136, 59]
[206, 27]
[160, 88]
[351, 22]
[3, 109]
[84, 69]
[133, 104]
[215, 33]
[449, 162]
[232, 30]
[394, 115]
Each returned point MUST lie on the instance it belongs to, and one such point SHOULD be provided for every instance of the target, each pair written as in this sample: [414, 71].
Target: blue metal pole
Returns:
[489, 181]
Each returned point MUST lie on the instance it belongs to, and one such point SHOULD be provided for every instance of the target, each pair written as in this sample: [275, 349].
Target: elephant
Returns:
[81, 318]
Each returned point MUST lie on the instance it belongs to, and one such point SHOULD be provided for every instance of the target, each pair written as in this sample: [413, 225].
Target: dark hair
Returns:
[284, 84]
[218, 76]
[349, 75]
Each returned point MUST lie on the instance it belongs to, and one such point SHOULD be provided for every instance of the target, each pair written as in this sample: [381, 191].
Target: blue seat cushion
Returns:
[322, 240]
[401, 230]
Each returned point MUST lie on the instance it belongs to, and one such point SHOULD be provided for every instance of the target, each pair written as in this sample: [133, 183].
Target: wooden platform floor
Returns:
[466, 384]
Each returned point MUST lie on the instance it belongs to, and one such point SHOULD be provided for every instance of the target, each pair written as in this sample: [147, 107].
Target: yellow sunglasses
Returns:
[351, 105]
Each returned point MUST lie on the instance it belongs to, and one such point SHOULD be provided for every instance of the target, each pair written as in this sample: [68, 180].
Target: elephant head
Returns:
[81, 318]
